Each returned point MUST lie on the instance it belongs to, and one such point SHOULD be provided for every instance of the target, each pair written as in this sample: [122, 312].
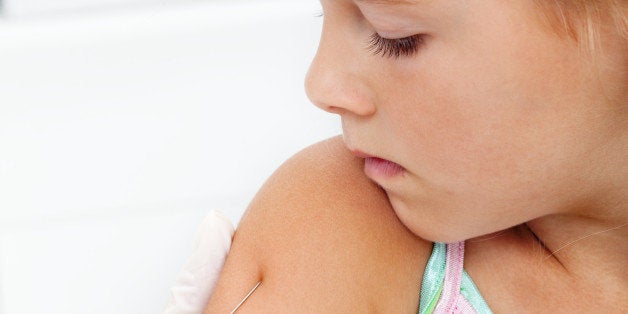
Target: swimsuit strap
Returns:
[451, 301]
[439, 264]
[433, 276]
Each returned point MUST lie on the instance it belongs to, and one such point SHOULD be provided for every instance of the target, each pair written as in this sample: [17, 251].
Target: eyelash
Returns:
[395, 48]
[407, 46]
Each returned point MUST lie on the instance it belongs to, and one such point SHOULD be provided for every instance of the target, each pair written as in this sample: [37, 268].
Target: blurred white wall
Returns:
[120, 130]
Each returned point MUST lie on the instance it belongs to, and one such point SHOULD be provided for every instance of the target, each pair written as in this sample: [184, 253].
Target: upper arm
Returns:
[319, 235]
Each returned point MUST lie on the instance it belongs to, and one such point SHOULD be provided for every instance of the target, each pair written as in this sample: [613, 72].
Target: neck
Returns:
[592, 248]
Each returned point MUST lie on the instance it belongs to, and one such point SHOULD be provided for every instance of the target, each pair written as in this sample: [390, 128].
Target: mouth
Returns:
[378, 168]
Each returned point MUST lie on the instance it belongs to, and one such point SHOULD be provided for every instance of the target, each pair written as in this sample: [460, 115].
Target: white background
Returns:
[121, 129]
[29, 8]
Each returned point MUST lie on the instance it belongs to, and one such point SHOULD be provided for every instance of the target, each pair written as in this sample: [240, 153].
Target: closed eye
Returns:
[395, 48]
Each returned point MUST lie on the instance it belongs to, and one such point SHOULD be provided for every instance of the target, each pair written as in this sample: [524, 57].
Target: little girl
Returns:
[482, 166]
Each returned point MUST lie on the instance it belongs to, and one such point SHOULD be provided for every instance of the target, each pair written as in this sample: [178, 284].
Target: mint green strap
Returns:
[433, 279]
[472, 294]
[433, 276]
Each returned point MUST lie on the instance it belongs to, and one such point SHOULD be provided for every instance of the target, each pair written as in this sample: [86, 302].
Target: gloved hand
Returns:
[197, 279]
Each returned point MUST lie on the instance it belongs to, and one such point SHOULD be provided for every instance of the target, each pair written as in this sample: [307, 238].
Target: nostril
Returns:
[334, 110]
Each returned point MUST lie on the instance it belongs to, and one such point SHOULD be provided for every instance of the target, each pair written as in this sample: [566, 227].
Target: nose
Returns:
[335, 81]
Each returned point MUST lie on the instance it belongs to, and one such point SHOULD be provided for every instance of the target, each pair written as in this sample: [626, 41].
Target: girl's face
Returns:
[495, 120]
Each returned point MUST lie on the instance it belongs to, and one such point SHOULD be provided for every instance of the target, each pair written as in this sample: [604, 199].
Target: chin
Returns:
[434, 230]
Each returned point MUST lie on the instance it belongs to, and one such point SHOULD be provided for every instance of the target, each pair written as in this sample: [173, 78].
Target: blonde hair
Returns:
[594, 25]
[584, 20]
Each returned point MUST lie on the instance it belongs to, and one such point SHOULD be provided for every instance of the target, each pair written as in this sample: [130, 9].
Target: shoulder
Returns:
[320, 233]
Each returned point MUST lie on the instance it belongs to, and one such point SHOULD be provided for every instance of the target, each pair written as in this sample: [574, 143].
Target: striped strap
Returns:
[450, 300]
[446, 284]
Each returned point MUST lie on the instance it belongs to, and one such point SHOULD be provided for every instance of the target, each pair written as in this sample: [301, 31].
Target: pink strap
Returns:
[451, 301]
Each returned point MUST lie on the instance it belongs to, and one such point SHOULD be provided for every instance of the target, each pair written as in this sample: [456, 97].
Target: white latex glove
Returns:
[197, 279]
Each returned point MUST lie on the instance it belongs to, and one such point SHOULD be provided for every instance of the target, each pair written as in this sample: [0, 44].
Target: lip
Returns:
[376, 167]
[381, 168]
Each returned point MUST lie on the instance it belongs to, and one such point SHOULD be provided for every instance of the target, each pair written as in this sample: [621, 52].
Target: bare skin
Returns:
[509, 137]
[323, 238]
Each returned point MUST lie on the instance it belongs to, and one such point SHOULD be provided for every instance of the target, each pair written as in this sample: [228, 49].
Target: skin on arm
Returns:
[322, 238]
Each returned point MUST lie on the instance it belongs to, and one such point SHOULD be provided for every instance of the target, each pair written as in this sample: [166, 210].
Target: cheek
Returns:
[472, 139]
[450, 127]
[482, 112]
